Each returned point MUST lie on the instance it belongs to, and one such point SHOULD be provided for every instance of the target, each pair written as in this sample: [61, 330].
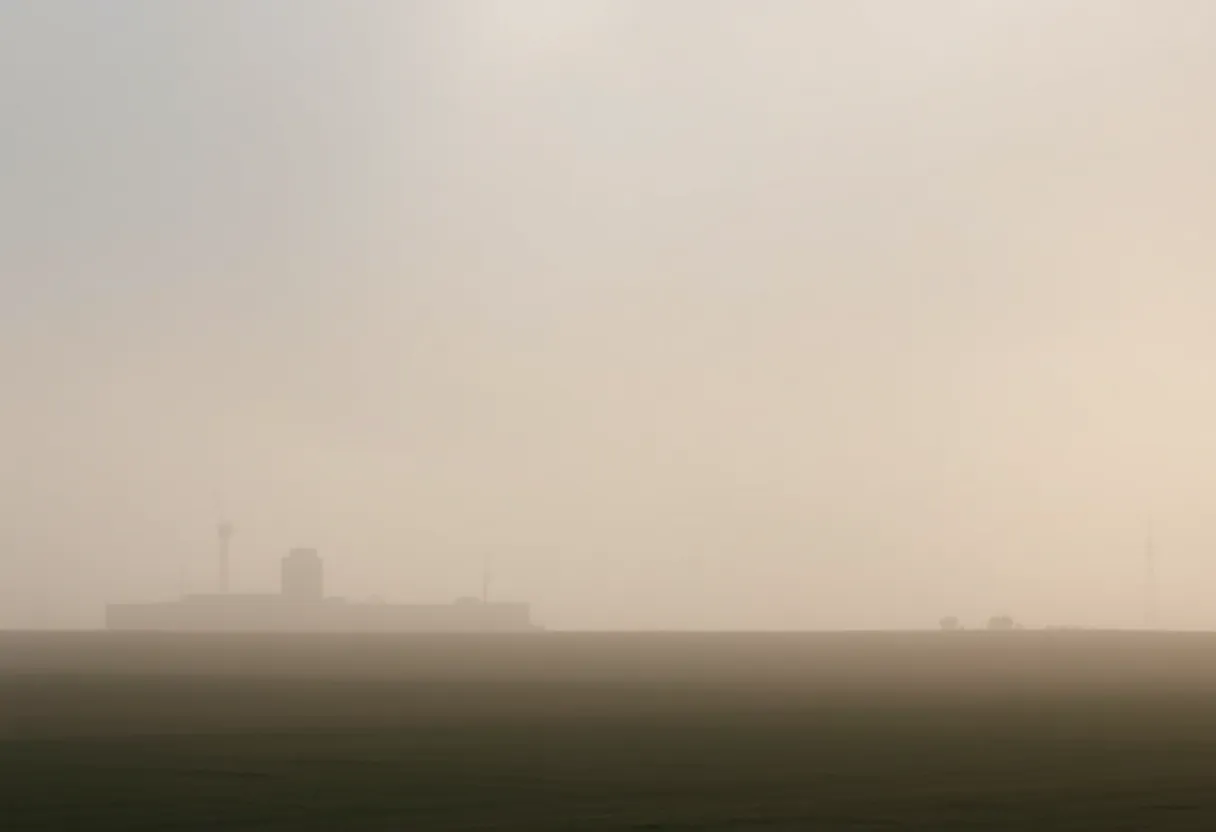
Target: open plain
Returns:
[942, 731]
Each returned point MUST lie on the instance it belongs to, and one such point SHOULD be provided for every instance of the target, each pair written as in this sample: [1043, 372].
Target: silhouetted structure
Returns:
[301, 606]
[950, 624]
[303, 576]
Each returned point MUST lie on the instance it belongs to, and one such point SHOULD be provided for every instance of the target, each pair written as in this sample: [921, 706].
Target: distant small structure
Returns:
[1002, 622]
[950, 624]
[302, 576]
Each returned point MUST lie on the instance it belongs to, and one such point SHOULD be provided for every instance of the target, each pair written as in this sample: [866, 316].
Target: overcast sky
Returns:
[690, 313]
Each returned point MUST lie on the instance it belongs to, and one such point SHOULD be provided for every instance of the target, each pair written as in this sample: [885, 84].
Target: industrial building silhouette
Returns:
[301, 606]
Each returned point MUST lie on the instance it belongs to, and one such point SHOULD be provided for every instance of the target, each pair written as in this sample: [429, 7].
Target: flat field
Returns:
[926, 731]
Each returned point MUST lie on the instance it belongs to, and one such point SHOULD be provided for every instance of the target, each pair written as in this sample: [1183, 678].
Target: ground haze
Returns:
[1021, 730]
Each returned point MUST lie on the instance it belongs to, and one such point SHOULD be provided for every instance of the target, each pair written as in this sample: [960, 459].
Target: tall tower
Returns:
[224, 531]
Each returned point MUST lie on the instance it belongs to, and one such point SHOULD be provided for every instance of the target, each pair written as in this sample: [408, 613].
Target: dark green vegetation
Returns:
[991, 731]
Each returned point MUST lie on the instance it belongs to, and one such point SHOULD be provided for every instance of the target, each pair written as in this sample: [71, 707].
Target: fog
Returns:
[685, 314]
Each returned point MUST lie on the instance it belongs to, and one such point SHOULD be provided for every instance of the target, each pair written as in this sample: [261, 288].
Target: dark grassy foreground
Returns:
[1018, 731]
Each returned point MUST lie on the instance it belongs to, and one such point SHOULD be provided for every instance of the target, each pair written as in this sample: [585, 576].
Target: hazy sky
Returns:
[692, 313]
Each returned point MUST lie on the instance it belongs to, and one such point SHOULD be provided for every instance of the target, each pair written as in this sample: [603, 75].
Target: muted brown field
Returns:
[1024, 730]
